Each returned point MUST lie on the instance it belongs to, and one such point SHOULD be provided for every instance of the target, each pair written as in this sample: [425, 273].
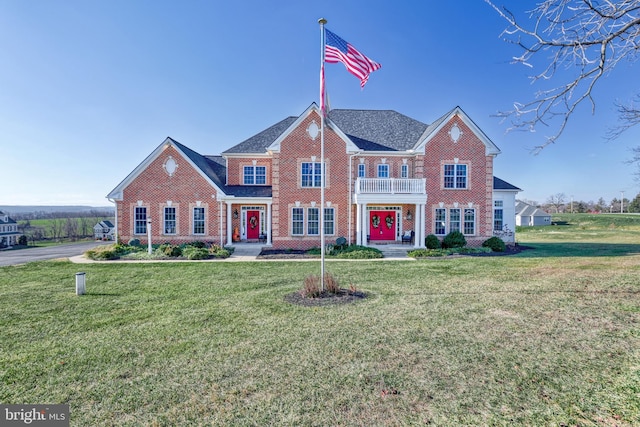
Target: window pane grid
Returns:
[140, 220]
[329, 221]
[297, 221]
[469, 221]
[169, 220]
[313, 221]
[455, 176]
[198, 220]
[454, 224]
[440, 221]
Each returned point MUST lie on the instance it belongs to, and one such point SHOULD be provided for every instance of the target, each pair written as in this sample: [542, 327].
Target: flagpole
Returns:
[322, 23]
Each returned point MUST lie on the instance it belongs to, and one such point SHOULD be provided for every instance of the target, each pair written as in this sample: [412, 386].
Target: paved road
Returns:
[23, 256]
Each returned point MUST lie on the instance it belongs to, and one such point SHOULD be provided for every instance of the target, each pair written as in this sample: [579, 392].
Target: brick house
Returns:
[387, 176]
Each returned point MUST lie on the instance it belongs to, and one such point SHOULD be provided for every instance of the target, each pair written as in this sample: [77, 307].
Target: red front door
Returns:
[382, 225]
[253, 224]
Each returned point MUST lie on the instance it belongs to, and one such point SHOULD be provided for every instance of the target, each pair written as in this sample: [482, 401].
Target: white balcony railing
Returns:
[390, 186]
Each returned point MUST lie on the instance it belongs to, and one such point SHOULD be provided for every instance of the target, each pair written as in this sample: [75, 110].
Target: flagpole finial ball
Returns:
[322, 21]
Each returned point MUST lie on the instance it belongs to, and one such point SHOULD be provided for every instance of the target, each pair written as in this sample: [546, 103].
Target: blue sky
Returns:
[90, 88]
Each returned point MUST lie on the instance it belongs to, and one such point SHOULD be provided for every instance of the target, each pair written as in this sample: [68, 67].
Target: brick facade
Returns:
[217, 184]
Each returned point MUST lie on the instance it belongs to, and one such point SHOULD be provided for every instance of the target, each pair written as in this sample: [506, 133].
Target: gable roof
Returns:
[499, 184]
[490, 148]
[212, 168]
[524, 209]
[209, 169]
[9, 219]
[365, 130]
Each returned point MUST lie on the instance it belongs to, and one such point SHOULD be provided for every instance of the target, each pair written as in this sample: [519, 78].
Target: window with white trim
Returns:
[362, 171]
[404, 171]
[498, 215]
[255, 175]
[329, 221]
[454, 220]
[297, 222]
[140, 220]
[440, 222]
[311, 175]
[455, 176]
[198, 220]
[469, 221]
[169, 220]
[383, 170]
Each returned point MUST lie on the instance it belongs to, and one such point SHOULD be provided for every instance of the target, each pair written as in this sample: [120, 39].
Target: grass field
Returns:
[547, 337]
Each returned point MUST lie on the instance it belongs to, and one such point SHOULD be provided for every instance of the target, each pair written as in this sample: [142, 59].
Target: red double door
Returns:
[382, 225]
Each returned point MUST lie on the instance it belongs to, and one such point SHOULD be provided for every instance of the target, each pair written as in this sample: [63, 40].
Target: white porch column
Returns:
[420, 226]
[364, 223]
[229, 231]
[358, 224]
[269, 223]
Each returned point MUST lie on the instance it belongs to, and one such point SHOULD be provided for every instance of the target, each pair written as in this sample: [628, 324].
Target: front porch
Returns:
[390, 211]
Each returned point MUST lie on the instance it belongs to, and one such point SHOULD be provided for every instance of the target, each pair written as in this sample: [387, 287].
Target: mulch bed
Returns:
[302, 254]
[343, 297]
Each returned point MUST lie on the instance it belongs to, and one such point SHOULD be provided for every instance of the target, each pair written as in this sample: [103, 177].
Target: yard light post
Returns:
[149, 249]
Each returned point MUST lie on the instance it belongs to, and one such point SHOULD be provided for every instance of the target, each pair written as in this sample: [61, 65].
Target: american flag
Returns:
[338, 50]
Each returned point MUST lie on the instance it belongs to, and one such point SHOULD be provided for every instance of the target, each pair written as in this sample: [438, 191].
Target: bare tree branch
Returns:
[586, 36]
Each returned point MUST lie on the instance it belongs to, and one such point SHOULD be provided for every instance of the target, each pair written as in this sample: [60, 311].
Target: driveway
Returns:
[23, 256]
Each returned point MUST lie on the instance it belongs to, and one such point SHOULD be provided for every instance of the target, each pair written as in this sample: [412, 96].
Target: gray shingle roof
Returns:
[259, 142]
[378, 130]
[499, 184]
[214, 167]
[369, 130]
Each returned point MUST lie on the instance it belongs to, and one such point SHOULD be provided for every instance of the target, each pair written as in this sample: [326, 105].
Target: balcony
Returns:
[390, 186]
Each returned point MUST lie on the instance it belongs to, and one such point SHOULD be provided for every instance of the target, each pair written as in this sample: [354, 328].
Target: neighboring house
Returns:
[104, 230]
[386, 174]
[9, 233]
[527, 215]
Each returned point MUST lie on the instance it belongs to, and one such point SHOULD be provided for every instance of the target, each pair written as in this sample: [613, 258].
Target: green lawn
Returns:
[547, 337]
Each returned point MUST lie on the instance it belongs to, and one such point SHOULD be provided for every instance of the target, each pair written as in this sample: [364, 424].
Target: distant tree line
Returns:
[92, 213]
[560, 203]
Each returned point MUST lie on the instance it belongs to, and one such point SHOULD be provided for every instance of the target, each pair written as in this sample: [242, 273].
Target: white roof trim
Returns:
[313, 108]
[490, 148]
[118, 192]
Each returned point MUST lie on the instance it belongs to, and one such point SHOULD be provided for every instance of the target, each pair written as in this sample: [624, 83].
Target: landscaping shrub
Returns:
[455, 239]
[495, 244]
[311, 287]
[134, 242]
[194, 253]
[331, 284]
[432, 242]
[22, 240]
[197, 244]
[170, 250]
[109, 252]
[218, 251]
